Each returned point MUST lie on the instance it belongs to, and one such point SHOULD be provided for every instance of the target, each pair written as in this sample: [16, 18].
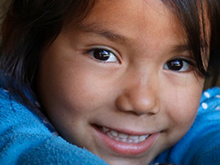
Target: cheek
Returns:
[72, 85]
[183, 107]
[81, 93]
[180, 106]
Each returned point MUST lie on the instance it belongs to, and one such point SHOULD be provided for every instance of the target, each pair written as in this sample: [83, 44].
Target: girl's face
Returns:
[122, 83]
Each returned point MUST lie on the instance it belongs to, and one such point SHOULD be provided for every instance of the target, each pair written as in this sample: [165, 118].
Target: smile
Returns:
[122, 137]
[126, 142]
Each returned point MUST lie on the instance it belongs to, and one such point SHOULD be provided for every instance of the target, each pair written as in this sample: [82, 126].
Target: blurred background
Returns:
[213, 81]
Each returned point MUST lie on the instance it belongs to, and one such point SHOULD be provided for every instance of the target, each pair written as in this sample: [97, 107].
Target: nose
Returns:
[139, 96]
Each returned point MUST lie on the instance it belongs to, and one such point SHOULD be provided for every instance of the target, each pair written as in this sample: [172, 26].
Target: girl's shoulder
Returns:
[26, 139]
[210, 101]
[13, 113]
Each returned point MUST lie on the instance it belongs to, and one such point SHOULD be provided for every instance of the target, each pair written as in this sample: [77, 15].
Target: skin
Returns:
[133, 92]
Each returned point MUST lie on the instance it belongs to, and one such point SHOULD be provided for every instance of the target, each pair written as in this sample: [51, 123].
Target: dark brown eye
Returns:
[177, 65]
[103, 55]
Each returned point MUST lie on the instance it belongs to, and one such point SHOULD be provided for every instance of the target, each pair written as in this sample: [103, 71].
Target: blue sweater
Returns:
[26, 138]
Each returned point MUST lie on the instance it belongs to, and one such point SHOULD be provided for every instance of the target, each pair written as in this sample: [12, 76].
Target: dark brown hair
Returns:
[31, 25]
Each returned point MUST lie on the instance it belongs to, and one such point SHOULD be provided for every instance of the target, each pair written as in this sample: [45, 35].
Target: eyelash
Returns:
[103, 55]
[179, 65]
[108, 56]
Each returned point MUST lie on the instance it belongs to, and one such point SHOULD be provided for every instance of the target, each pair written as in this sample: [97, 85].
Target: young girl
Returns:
[122, 79]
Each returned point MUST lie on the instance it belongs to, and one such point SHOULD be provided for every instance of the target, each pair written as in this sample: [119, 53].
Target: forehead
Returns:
[140, 12]
[141, 16]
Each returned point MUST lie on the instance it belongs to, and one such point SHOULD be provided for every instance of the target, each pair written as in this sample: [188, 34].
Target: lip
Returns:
[128, 149]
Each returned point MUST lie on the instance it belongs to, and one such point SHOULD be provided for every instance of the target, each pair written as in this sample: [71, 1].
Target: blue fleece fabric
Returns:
[201, 145]
[26, 139]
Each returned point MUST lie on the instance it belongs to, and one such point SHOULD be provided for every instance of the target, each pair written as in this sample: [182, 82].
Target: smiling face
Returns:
[122, 83]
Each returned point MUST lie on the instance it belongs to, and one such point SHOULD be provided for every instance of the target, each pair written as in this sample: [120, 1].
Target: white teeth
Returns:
[136, 141]
[130, 141]
[109, 135]
[105, 129]
[114, 133]
[142, 138]
[133, 137]
[123, 137]
[117, 138]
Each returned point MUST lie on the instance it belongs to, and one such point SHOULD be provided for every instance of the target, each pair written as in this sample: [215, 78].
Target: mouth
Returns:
[123, 137]
[127, 143]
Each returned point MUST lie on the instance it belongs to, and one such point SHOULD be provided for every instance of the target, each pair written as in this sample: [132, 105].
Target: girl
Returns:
[122, 79]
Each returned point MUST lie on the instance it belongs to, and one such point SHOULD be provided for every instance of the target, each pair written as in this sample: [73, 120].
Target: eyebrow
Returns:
[181, 48]
[101, 30]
